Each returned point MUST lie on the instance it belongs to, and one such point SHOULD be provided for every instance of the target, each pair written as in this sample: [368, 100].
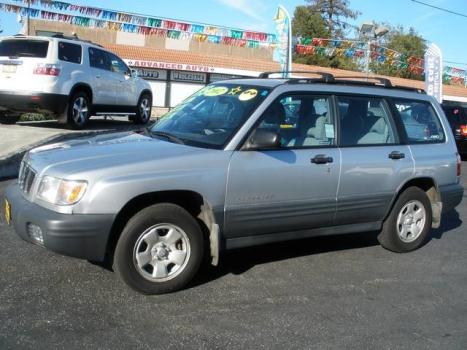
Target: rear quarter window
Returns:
[69, 52]
[420, 121]
[24, 48]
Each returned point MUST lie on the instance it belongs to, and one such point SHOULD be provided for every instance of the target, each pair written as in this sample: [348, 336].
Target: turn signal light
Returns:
[463, 129]
[47, 69]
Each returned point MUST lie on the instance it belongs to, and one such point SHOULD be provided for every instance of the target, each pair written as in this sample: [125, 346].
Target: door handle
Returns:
[98, 76]
[321, 159]
[396, 155]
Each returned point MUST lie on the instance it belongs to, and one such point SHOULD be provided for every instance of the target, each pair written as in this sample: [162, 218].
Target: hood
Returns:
[125, 150]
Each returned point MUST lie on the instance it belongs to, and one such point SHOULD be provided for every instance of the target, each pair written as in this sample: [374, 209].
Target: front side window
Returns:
[69, 52]
[98, 59]
[300, 121]
[117, 65]
[364, 121]
[420, 121]
[211, 116]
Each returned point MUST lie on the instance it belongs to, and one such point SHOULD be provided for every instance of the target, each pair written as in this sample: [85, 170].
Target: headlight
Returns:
[61, 192]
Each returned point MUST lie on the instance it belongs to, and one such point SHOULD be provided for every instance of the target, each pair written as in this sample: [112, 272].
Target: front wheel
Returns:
[143, 110]
[79, 110]
[407, 226]
[160, 249]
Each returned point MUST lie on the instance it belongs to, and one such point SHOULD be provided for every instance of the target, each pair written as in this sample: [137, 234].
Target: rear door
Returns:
[434, 157]
[292, 187]
[104, 82]
[375, 162]
[18, 60]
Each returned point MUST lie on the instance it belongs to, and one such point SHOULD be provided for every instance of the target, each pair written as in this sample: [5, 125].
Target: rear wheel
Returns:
[160, 249]
[143, 109]
[9, 118]
[79, 110]
[409, 222]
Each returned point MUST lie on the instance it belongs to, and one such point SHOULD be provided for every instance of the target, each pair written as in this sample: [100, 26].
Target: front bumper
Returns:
[24, 102]
[82, 236]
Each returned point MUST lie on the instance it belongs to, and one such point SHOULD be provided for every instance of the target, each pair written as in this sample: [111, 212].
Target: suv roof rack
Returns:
[344, 80]
[73, 37]
[326, 77]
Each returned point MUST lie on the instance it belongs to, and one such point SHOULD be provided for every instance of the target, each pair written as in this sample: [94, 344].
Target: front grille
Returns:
[26, 178]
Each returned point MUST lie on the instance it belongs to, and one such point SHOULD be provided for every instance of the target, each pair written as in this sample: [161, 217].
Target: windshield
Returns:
[24, 48]
[210, 117]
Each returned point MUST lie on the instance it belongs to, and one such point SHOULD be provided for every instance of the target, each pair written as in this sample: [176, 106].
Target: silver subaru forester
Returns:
[241, 163]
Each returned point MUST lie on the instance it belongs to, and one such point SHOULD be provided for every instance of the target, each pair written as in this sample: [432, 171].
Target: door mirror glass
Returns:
[134, 73]
[263, 139]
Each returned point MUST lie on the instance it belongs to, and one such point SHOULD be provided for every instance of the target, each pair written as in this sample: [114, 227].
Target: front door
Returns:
[126, 94]
[294, 186]
[374, 162]
[104, 82]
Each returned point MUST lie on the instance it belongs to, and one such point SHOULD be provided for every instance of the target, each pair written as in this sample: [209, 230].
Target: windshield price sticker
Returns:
[216, 91]
[248, 95]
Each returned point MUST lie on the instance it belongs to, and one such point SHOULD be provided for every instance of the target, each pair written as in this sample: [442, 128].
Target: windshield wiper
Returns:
[167, 135]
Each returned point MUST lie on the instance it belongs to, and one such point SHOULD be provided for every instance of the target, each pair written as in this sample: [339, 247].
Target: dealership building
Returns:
[177, 67]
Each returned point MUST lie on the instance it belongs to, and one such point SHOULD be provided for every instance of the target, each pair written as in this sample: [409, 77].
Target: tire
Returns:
[79, 110]
[9, 118]
[160, 249]
[143, 109]
[407, 226]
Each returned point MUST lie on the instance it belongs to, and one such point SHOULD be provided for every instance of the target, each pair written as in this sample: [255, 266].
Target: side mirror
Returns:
[134, 73]
[263, 139]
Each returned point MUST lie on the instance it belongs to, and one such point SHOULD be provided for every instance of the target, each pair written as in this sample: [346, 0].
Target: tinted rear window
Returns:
[420, 121]
[69, 52]
[24, 48]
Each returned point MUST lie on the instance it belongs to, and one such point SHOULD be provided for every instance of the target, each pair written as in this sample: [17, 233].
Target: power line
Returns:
[462, 63]
[440, 8]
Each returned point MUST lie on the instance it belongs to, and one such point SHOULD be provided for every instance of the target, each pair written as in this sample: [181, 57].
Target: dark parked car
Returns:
[457, 117]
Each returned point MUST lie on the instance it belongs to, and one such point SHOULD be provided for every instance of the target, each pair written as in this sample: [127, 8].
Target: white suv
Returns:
[68, 78]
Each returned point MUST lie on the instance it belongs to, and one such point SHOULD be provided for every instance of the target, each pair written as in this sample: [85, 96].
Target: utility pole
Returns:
[27, 18]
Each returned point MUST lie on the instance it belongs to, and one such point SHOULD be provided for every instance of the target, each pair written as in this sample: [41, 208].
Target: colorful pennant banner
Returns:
[153, 22]
[357, 50]
[174, 33]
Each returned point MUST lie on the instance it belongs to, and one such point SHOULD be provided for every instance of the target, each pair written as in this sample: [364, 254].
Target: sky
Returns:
[446, 30]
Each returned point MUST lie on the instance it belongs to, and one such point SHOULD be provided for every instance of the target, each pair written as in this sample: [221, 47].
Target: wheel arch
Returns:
[191, 201]
[145, 91]
[430, 187]
[82, 87]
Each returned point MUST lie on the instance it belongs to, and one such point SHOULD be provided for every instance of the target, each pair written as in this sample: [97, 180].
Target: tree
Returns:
[335, 13]
[408, 43]
[308, 24]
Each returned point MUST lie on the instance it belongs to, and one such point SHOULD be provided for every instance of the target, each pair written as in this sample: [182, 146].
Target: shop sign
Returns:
[193, 77]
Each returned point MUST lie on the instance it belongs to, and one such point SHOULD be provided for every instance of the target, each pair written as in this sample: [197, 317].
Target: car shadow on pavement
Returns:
[239, 261]
[449, 221]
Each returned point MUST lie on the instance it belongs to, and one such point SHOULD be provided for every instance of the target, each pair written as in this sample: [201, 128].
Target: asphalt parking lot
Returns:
[323, 293]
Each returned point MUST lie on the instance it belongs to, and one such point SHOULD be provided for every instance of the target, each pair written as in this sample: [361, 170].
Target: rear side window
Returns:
[69, 52]
[99, 59]
[420, 121]
[364, 121]
[24, 48]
